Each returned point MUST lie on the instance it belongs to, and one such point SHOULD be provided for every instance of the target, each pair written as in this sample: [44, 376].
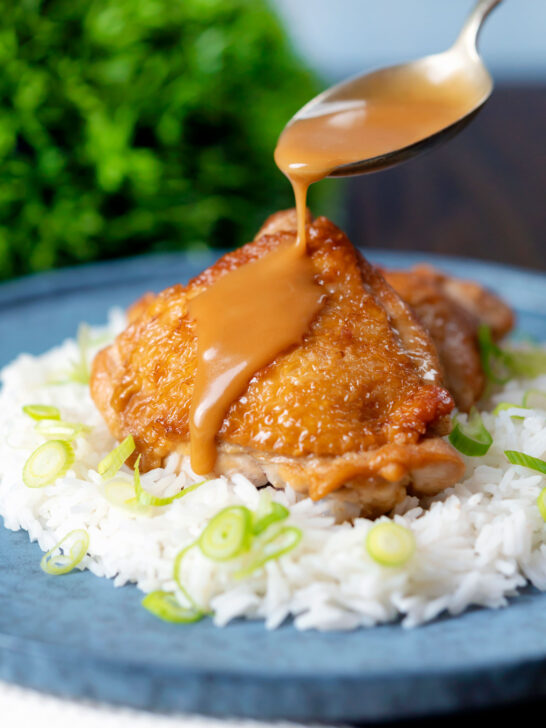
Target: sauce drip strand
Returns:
[253, 313]
[244, 320]
[367, 118]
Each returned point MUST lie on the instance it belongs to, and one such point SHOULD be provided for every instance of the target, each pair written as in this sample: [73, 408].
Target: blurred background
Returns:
[130, 126]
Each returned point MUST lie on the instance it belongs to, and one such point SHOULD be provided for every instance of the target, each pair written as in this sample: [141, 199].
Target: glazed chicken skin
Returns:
[451, 310]
[357, 409]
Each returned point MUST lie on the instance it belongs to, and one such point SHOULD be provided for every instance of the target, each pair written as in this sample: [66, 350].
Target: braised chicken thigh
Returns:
[451, 310]
[357, 409]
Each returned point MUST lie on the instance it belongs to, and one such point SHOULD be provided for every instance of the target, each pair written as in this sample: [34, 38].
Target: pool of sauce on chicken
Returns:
[253, 313]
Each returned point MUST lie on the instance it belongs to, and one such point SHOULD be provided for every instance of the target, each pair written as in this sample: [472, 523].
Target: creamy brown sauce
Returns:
[244, 321]
[251, 314]
[376, 115]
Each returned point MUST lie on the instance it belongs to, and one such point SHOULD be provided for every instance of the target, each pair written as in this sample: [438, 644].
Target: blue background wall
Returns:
[340, 37]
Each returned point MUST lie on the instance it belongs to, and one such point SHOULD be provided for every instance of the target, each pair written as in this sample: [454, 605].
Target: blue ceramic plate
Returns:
[79, 636]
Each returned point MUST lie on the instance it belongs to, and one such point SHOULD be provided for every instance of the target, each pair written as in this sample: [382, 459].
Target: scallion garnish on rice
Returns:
[147, 499]
[471, 438]
[504, 406]
[59, 430]
[109, 466]
[390, 544]
[227, 534]
[67, 554]
[282, 541]
[500, 365]
[541, 503]
[534, 399]
[42, 412]
[47, 463]
[121, 493]
[495, 361]
[177, 578]
[80, 371]
[165, 605]
[526, 362]
[231, 534]
[528, 461]
[277, 512]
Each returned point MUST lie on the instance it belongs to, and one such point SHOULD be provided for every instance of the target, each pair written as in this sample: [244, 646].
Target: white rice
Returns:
[477, 543]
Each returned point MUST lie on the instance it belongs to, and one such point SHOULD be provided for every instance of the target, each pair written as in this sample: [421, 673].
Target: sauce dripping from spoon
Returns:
[368, 118]
[255, 312]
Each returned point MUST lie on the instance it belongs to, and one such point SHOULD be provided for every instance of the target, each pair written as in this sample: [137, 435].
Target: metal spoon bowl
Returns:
[462, 60]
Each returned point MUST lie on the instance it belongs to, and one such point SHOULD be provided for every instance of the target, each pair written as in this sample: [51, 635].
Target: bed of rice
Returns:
[477, 542]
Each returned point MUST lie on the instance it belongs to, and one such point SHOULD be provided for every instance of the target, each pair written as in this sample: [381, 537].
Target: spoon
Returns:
[457, 73]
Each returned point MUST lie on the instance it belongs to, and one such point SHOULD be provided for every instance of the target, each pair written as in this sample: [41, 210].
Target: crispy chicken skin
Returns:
[356, 409]
[451, 310]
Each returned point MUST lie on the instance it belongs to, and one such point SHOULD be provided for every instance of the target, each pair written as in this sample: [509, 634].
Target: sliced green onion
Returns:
[178, 580]
[502, 406]
[528, 461]
[80, 371]
[59, 430]
[67, 554]
[228, 534]
[495, 361]
[47, 463]
[42, 412]
[526, 363]
[541, 503]
[534, 399]
[277, 513]
[501, 364]
[471, 438]
[147, 499]
[283, 541]
[109, 466]
[121, 493]
[390, 544]
[165, 606]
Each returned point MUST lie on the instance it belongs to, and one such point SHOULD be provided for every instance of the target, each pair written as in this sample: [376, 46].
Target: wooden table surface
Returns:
[481, 195]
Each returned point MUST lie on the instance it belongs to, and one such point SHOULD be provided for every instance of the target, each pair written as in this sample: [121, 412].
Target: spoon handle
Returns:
[468, 36]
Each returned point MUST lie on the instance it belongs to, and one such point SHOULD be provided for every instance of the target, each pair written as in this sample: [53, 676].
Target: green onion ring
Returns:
[528, 461]
[390, 544]
[503, 406]
[80, 372]
[282, 542]
[471, 438]
[47, 463]
[277, 513]
[541, 503]
[526, 363]
[495, 362]
[531, 396]
[164, 605]
[121, 493]
[60, 430]
[227, 534]
[60, 559]
[177, 579]
[147, 499]
[42, 412]
[500, 365]
[109, 465]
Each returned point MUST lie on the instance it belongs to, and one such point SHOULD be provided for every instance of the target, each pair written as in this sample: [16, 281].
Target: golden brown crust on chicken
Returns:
[350, 408]
[451, 310]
